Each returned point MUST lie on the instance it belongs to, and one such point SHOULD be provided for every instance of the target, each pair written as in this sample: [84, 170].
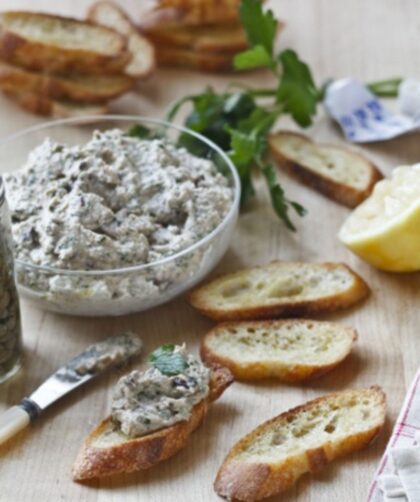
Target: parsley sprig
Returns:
[239, 123]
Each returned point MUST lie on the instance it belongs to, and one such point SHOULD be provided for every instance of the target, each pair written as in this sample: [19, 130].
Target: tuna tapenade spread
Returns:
[114, 202]
[150, 400]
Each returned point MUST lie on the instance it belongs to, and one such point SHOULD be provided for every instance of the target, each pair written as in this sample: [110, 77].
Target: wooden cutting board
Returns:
[368, 40]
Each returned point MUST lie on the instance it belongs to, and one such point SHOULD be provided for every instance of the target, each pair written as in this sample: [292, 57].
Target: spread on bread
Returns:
[160, 409]
[164, 394]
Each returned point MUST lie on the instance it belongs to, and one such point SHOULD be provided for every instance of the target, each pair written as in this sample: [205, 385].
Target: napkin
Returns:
[362, 116]
[397, 478]
[406, 463]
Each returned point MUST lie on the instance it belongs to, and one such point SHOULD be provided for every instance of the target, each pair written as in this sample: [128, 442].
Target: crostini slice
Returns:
[289, 350]
[107, 451]
[339, 173]
[112, 16]
[56, 44]
[280, 289]
[77, 88]
[48, 107]
[271, 458]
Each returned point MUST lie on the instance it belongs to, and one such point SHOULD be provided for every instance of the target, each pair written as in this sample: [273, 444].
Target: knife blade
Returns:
[93, 361]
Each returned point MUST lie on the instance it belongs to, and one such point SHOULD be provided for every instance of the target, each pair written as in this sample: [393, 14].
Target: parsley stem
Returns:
[385, 88]
[174, 108]
[253, 92]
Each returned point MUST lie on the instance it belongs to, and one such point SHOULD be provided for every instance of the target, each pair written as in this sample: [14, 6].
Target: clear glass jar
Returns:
[10, 323]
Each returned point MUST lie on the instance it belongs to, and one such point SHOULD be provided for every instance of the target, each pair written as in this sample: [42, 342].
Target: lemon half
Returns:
[385, 229]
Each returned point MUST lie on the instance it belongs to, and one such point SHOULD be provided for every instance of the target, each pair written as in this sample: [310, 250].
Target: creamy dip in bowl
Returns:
[106, 223]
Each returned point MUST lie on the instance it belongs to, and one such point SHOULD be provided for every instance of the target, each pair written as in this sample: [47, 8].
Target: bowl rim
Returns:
[90, 119]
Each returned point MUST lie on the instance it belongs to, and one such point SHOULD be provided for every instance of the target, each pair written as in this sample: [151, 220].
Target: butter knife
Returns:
[97, 358]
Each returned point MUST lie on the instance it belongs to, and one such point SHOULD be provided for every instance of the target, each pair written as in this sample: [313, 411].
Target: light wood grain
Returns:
[369, 40]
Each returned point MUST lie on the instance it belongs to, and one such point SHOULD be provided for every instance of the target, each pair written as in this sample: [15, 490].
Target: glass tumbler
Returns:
[10, 323]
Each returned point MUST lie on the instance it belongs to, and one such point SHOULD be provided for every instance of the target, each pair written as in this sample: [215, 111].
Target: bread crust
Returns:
[47, 107]
[293, 309]
[126, 28]
[232, 41]
[13, 78]
[261, 370]
[202, 14]
[136, 454]
[45, 57]
[146, 451]
[201, 61]
[248, 481]
[339, 192]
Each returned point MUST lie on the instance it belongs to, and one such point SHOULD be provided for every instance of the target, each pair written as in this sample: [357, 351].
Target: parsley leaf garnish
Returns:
[297, 90]
[278, 198]
[260, 27]
[257, 57]
[167, 361]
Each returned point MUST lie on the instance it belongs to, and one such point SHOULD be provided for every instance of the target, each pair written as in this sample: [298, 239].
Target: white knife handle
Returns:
[13, 421]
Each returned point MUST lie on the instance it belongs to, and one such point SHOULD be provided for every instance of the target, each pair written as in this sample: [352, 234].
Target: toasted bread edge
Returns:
[146, 451]
[346, 195]
[261, 371]
[248, 482]
[358, 292]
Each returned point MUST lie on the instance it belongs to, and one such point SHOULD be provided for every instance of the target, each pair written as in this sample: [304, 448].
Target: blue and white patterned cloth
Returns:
[363, 118]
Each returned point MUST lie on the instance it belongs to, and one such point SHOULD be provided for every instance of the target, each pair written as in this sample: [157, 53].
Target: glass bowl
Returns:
[135, 288]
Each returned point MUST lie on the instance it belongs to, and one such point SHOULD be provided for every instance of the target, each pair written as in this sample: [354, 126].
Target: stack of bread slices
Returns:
[58, 66]
[199, 34]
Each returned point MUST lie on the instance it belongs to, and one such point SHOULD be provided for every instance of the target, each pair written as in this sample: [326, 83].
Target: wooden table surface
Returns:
[368, 40]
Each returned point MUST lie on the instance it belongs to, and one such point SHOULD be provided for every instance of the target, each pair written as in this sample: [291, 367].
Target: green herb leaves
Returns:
[260, 27]
[238, 123]
[167, 361]
[297, 91]
[139, 131]
[278, 198]
[257, 57]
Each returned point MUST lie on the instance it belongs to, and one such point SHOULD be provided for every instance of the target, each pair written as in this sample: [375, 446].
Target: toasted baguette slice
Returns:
[143, 54]
[83, 88]
[56, 44]
[280, 289]
[340, 174]
[200, 14]
[48, 107]
[218, 39]
[271, 458]
[291, 351]
[201, 61]
[190, 4]
[108, 451]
